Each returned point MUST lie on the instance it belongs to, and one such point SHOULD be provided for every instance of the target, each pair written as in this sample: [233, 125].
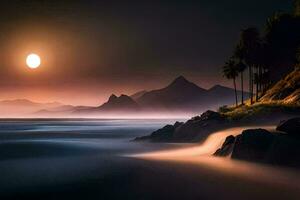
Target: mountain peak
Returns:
[121, 103]
[112, 97]
[123, 96]
[180, 79]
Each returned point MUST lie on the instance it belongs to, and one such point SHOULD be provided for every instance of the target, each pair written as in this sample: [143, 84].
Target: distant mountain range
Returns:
[180, 96]
[27, 103]
[22, 107]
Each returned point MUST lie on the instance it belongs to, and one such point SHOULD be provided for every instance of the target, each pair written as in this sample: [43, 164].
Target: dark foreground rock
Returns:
[194, 130]
[259, 145]
[252, 145]
[291, 126]
[161, 135]
[226, 148]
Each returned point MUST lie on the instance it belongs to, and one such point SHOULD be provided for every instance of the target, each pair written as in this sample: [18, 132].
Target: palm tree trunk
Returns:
[236, 99]
[257, 84]
[260, 79]
[257, 90]
[242, 86]
[250, 84]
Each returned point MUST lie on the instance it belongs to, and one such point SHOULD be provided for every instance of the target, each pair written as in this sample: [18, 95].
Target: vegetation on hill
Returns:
[268, 55]
[283, 97]
[286, 91]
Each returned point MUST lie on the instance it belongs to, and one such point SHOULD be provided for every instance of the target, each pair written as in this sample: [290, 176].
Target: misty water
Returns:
[91, 159]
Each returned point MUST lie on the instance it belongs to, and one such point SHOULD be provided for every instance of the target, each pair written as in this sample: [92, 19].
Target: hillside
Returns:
[286, 91]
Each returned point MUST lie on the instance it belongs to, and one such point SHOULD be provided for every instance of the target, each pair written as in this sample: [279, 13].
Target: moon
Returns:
[33, 61]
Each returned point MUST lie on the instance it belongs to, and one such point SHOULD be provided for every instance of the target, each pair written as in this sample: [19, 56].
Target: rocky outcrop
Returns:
[259, 145]
[252, 145]
[194, 130]
[291, 126]
[161, 135]
[226, 148]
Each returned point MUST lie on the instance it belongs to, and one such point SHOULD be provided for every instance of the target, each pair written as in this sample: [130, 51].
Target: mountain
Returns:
[115, 105]
[180, 95]
[27, 103]
[221, 95]
[22, 107]
[183, 95]
[121, 103]
[137, 95]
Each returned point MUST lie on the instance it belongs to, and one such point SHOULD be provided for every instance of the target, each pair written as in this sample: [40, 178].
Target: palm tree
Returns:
[241, 67]
[248, 45]
[230, 71]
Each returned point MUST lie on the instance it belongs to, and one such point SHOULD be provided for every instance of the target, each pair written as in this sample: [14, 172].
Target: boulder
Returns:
[164, 134]
[259, 145]
[291, 126]
[196, 129]
[253, 145]
[226, 148]
[211, 115]
[285, 151]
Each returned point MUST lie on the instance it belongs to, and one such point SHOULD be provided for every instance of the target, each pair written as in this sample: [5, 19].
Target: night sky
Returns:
[91, 49]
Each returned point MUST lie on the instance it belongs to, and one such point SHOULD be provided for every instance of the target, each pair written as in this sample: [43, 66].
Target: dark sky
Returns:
[90, 48]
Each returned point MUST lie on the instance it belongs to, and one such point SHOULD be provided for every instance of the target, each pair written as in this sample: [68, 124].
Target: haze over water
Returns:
[88, 159]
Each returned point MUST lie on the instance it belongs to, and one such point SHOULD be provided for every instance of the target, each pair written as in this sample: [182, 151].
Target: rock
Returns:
[211, 115]
[177, 124]
[253, 145]
[162, 135]
[285, 151]
[226, 148]
[194, 130]
[259, 145]
[199, 128]
[291, 126]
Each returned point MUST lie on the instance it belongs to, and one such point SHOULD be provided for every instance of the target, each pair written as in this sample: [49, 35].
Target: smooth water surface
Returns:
[90, 159]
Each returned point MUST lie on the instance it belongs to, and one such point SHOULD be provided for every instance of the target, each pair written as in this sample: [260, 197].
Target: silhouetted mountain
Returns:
[179, 95]
[21, 107]
[183, 95]
[121, 103]
[114, 104]
[221, 95]
[27, 103]
[137, 95]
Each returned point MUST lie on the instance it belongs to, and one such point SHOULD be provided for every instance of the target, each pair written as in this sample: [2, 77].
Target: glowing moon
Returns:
[33, 61]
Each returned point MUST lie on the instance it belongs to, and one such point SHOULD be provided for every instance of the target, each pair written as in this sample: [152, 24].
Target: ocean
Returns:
[90, 159]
